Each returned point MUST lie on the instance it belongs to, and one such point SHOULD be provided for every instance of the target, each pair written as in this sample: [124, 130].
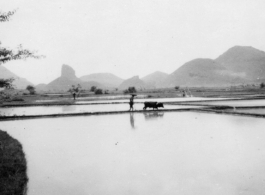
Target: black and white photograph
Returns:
[132, 97]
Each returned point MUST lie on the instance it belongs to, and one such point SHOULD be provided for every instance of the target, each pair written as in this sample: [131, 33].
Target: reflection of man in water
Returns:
[132, 120]
[131, 102]
[153, 115]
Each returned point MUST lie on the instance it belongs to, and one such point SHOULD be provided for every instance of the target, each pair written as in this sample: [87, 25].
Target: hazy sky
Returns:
[127, 37]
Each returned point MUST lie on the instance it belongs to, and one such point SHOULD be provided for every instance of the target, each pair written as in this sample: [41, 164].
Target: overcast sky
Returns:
[127, 37]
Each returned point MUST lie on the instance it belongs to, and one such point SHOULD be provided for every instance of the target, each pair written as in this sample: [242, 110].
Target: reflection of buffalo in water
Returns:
[68, 108]
[153, 105]
[153, 115]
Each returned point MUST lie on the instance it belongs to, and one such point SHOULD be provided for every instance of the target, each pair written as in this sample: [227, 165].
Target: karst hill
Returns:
[238, 65]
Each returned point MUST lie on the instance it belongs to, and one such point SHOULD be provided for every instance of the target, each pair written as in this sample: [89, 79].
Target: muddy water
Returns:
[151, 153]
[43, 110]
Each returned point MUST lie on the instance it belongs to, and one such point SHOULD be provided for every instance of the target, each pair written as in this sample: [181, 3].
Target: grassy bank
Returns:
[13, 166]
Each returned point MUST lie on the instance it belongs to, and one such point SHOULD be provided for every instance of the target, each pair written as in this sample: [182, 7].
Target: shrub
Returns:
[13, 167]
[132, 90]
[177, 87]
[31, 89]
[93, 88]
[98, 91]
[6, 83]
[17, 99]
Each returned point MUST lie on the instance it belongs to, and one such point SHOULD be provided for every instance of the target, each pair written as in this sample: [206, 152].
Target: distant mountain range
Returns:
[66, 81]
[133, 82]
[105, 79]
[238, 65]
[153, 80]
[19, 83]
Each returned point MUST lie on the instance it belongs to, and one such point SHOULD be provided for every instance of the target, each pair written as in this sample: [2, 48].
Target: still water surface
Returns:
[178, 99]
[151, 153]
[243, 103]
[250, 111]
[43, 110]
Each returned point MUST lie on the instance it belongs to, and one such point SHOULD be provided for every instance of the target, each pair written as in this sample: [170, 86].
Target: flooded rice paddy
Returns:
[45, 110]
[236, 103]
[143, 153]
[153, 152]
[178, 99]
[250, 110]
[125, 98]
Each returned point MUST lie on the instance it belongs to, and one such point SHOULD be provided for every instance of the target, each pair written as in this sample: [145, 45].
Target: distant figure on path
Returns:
[75, 91]
[74, 94]
[131, 102]
[184, 93]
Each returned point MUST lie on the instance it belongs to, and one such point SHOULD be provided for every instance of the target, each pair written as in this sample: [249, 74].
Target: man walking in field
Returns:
[131, 102]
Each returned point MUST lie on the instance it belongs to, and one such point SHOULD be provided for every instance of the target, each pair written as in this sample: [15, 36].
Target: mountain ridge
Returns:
[237, 65]
[19, 82]
[106, 79]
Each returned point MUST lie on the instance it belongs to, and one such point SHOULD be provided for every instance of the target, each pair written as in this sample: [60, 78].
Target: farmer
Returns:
[184, 93]
[74, 94]
[131, 102]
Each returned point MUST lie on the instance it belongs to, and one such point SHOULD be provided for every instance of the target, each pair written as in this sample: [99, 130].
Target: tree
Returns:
[6, 16]
[75, 89]
[98, 91]
[130, 90]
[31, 89]
[7, 54]
[6, 83]
[262, 85]
[93, 88]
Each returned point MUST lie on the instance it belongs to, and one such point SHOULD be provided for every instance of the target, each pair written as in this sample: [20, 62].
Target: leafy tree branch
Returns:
[4, 17]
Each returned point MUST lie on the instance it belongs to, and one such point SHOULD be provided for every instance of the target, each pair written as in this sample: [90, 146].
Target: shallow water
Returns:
[178, 99]
[250, 111]
[259, 102]
[43, 110]
[151, 153]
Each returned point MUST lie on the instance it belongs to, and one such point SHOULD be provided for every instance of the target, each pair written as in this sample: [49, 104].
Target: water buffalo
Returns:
[152, 105]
